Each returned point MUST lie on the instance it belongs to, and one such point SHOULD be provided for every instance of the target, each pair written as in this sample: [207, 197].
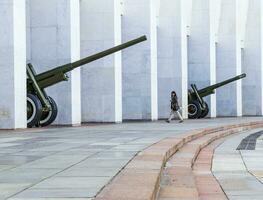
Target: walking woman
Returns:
[175, 108]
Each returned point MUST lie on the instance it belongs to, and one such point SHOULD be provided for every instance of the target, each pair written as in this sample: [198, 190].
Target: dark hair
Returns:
[173, 93]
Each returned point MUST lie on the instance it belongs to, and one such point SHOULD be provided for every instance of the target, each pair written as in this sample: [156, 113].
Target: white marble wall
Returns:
[191, 41]
[252, 60]
[101, 80]
[140, 62]
[175, 18]
[12, 64]
[228, 59]
[202, 48]
[54, 40]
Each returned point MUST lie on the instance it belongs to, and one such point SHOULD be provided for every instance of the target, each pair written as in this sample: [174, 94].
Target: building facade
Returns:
[189, 41]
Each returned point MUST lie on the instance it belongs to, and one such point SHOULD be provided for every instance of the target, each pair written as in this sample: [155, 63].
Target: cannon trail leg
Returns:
[48, 117]
[34, 110]
[205, 111]
[194, 110]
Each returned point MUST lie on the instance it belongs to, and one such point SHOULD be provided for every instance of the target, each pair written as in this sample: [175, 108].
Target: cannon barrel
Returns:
[107, 52]
[210, 89]
[68, 67]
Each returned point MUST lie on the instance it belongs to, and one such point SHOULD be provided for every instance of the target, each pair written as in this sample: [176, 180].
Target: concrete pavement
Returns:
[77, 162]
[239, 172]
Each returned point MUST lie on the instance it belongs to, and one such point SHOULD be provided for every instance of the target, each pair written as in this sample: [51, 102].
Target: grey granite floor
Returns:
[77, 162]
[239, 172]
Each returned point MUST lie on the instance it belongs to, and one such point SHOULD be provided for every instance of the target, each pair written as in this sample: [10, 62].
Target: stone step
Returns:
[140, 179]
[179, 181]
[207, 186]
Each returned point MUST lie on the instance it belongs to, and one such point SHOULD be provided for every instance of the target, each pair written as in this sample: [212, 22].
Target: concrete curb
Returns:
[140, 179]
[180, 181]
[207, 185]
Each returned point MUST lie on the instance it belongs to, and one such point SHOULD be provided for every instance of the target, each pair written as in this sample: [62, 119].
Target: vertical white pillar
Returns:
[74, 27]
[172, 54]
[202, 48]
[28, 31]
[55, 41]
[155, 4]
[229, 97]
[181, 51]
[166, 55]
[261, 55]
[252, 60]
[215, 6]
[118, 61]
[183, 26]
[101, 80]
[140, 62]
[12, 64]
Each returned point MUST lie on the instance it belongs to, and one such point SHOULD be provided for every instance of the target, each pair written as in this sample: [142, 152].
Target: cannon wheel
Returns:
[205, 111]
[49, 117]
[194, 110]
[34, 110]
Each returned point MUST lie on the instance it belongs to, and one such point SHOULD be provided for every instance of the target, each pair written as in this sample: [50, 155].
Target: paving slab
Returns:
[90, 172]
[233, 169]
[254, 162]
[67, 162]
[259, 144]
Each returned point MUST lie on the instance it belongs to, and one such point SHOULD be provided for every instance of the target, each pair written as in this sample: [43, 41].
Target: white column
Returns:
[155, 6]
[172, 53]
[54, 41]
[252, 60]
[229, 97]
[261, 55]
[183, 25]
[101, 80]
[140, 62]
[12, 64]
[166, 56]
[202, 48]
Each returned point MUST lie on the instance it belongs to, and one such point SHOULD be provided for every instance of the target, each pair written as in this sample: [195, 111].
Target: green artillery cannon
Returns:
[197, 107]
[42, 109]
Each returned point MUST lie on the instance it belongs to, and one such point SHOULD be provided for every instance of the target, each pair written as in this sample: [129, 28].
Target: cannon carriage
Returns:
[197, 107]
